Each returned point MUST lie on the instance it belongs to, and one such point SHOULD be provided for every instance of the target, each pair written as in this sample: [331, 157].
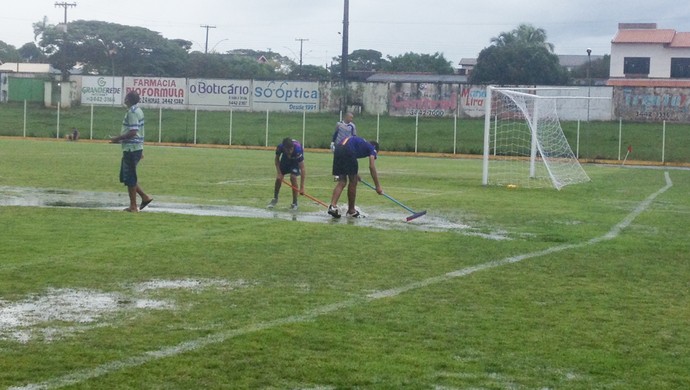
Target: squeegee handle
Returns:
[388, 196]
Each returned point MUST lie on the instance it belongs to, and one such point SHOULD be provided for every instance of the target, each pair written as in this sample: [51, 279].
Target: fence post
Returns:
[378, 125]
[304, 126]
[160, 123]
[577, 142]
[455, 131]
[57, 135]
[416, 131]
[91, 124]
[663, 143]
[196, 115]
[230, 137]
[620, 135]
[266, 128]
[24, 118]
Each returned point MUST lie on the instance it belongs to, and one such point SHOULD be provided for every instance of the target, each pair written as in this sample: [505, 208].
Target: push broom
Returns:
[415, 214]
[305, 194]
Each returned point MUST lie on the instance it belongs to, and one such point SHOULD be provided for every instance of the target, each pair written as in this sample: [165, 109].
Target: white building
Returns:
[644, 56]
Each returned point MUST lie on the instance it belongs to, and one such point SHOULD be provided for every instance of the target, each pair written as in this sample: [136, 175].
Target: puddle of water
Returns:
[376, 218]
[58, 313]
[189, 284]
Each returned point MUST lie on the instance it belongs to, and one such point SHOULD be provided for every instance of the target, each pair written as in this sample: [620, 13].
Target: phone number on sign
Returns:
[426, 112]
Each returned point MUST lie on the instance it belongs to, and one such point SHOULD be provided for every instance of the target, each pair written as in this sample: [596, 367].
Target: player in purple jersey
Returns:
[346, 167]
[289, 159]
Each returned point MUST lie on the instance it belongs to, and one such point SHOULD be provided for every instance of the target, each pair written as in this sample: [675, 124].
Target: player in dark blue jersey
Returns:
[346, 167]
[289, 159]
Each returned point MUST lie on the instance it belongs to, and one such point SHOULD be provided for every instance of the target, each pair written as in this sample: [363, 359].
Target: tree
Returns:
[524, 34]
[213, 65]
[412, 62]
[106, 48]
[599, 69]
[280, 63]
[8, 53]
[242, 67]
[521, 56]
[309, 72]
[31, 53]
[366, 61]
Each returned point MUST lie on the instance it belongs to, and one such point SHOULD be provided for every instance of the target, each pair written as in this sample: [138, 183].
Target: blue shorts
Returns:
[128, 167]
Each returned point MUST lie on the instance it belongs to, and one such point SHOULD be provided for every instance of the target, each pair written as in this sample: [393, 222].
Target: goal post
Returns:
[524, 144]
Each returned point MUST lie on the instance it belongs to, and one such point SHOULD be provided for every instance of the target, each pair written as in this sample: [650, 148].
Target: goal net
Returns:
[524, 144]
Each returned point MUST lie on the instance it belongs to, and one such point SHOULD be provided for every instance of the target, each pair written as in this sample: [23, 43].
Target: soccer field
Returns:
[494, 288]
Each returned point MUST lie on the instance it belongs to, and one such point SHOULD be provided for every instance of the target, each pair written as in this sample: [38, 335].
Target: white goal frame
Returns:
[524, 144]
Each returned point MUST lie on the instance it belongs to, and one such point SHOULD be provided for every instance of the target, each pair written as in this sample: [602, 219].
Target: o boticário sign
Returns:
[223, 93]
[285, 96]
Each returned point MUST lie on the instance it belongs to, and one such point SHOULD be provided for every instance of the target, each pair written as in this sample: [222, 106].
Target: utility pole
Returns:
[346, 31]
[589, 79]
[206, 26]
[64, 51]
[65, 5]
[301, 43]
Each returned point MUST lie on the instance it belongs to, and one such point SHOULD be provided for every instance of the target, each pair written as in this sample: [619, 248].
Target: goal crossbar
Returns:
[524, 143]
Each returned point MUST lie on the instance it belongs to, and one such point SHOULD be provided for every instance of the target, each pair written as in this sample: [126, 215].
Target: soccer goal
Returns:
[524, 144]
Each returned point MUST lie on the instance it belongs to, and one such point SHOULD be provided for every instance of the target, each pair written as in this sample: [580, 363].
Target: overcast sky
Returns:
[456, 28]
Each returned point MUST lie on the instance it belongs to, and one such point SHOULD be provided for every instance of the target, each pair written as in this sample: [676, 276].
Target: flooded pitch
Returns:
[376, 218]
[58, 313]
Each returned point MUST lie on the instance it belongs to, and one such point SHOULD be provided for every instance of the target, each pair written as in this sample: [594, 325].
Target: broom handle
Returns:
[305, 194]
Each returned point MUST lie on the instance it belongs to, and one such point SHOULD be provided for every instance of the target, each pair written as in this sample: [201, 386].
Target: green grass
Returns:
[597, 140]
[604, 313]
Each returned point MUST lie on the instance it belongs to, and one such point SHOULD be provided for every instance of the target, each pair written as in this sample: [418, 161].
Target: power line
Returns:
[65, 5]
[301, 44]
[207, 27]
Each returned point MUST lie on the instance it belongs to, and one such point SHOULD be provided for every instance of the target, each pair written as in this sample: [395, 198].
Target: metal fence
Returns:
[658, 142]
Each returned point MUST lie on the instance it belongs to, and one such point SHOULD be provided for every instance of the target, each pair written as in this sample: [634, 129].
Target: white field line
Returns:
[192, 345]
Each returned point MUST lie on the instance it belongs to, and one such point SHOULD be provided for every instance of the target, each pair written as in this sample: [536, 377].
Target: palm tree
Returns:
[524, 34]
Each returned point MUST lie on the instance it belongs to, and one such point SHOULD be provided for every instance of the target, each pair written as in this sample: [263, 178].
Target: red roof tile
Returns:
[682, 39]
[644, 36]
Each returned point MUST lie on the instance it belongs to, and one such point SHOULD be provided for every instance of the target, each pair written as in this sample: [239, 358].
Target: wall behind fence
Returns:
[641, 104]
[394, 99]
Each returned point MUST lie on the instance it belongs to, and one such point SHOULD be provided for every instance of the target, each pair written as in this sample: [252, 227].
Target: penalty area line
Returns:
[192, 345]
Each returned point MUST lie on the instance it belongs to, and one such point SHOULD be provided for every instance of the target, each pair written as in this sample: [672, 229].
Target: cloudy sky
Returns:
[456, 28]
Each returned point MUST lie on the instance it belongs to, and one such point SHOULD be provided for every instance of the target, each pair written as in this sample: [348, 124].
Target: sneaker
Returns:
[356, 214]
[294, 206]
[273, 202]
[333, 211]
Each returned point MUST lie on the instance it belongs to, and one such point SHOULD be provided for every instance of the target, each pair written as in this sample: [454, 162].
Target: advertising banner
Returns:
[224, 93]
[652, 104]
[472, 102]
[286, 96]
[101, 90]
[159, 91]
[423, 99]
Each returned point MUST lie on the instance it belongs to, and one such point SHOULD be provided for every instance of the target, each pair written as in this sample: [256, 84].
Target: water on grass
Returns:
[58, 313]
[376, 218]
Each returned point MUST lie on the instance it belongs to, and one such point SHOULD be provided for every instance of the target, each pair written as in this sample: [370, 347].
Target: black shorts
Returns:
[344, 162]
[289, 166]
